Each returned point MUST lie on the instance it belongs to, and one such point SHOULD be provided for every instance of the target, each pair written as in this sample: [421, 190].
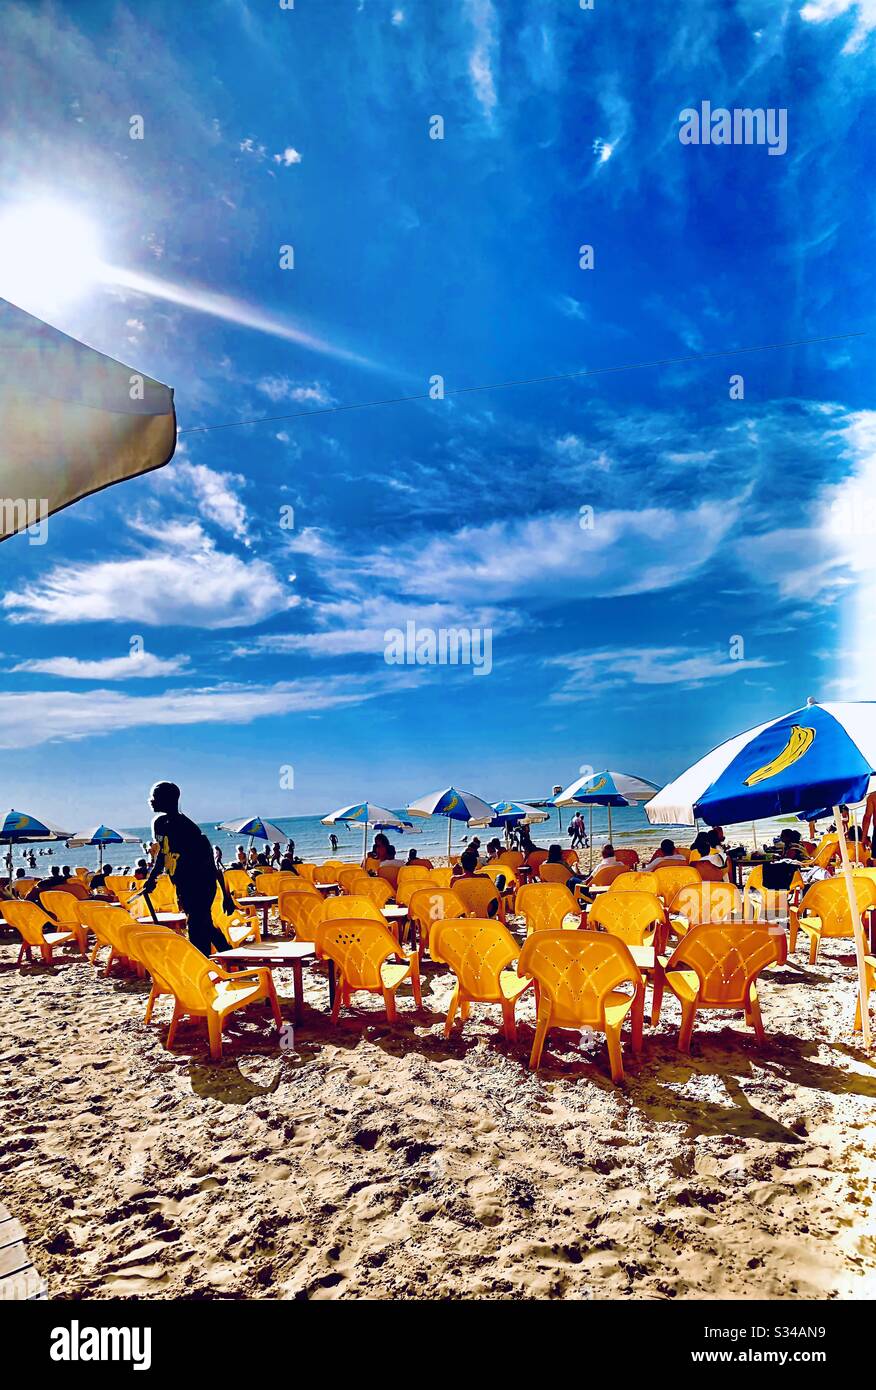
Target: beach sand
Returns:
[385, 1162]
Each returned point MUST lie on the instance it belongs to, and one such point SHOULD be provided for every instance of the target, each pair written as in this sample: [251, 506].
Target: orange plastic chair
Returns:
[406, 890]
[554, 873]
[239, 882]
[201, 988]
[547, 907]
[348, 876]
[35, 929]
[639, 919]
[722, 963]
[710, 873]
[536, 859]
[633, 882]
[824, 911]
[408, 873]
[761, 903]
[442, 878]
[62, 907]
[479, 895]
[672, 878]
[110, 926]
[695, 904]
[22, 886]
[367, 957]
[308, 871]
[302, 912]
[338, 909]
[577, 975]
[629, 857]
[512, 857]
[870, 976]
[479, 952]
[571, 858]
[238, 927]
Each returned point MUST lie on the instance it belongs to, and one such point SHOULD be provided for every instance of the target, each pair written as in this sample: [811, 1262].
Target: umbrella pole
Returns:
[855, 824]
[364, 842]
[560, 818]
[754, 836]
[858, 929]
[591, 837]
[449, 828]
[609, 825]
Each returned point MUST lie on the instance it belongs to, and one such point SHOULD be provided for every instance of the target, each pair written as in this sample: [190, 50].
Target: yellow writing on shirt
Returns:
[170, 859]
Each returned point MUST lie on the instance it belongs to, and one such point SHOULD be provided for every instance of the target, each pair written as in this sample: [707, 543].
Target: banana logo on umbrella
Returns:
[798, 745]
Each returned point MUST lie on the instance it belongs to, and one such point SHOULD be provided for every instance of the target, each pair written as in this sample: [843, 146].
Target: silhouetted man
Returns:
[187, 855]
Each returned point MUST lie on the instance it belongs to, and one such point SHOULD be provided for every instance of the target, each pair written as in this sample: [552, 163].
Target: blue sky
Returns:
[713, 519]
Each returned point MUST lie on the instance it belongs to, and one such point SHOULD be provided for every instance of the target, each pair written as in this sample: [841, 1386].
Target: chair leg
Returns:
[637, 1013]
[389, 1002]
[754, 1013]
[451, 1012]
[615, 1056]
[214, 1032]
[509, 1025]
[171, 1032]
[415, 981]
[150, 1004]
[464, 1009]
[541, 1032]
[685, 1032]
[339, 996]
[793, 929]
[813, 948]
[274, 1003]
[657, 982]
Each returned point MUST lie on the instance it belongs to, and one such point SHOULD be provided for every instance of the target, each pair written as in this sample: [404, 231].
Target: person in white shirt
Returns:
[666, 854]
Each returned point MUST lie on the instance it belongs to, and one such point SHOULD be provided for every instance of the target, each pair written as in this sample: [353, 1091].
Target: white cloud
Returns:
[347, 627]
[139, 666]
[213, 493]
[483, 54]
[588, 675]
[186, 583]
[38, 716]
[287, 157]
[821, 11]
[281, 388]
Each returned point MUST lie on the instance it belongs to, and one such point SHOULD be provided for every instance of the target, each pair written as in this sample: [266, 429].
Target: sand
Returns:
[387, 1163]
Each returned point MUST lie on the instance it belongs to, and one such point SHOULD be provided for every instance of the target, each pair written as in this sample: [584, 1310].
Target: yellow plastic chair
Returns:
[307, 871]
[479, 952]
[362, 908]
[870, 976]
[547, 907]
[824, 911]
[110, 926]
[238, 927]
[672, 878]
[512, 857]
[81, 872]
[761, 903]
[722, 964]
[348, 876]
[273, 882]
[377, 890]
[405, 891]
[366, 957]
[430, 905]
[302, 912]
[696, 904]
[63, 909]
[121, 882]
[639, 919]
[22, 886]
[163, 895]
[577, 975]
[496, 869]
[635, 881]
[239, 882]
[409, 873]
[606, 874]
[479, 894]
[201, 988]
[35, 929]
[442, 878]
[554, 873]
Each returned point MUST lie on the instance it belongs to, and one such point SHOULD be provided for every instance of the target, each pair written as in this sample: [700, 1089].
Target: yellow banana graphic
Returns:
[799, 742]
[597, 786]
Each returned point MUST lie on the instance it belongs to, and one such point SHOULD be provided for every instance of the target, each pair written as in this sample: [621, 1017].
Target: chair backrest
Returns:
[376, 890]
[28, 919]
[709, 902]
[94, 916]
[727, 958]
[238, 882]
[554, 873]
[607, 873]
[180, 966]
[577, 970]
[163, 895]
[544, 906]
[442, 878]
[629, 857]
[358, 947]
[337, 909]
[496, 869]
[370, 864]
[512, 857]
[433, 904]
[828, 900]
[62, 907]
[478, 894]
[22, 886]
[536, 859]
[114, 882]
[634, 917]
[271, 882]
[710, 873]
[827, 850]
[303, 912]
[571, 857]
[673, 877]
[81, 872]
[477, 951]
[307, 871]
[633, 882]
[410, 872]
[348, 876]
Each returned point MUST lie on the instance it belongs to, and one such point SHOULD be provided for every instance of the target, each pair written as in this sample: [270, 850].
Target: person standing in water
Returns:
[185, 852]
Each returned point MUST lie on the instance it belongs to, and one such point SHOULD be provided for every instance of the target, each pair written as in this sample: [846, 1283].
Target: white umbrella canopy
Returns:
[365, 813]
[255, 827]
[607, 789]
[454, 804]
[820, 755]
[72, 421]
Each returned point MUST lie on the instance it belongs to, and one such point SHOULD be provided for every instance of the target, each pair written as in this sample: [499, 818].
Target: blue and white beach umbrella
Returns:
[102, 835]
[365, 813]
[255, 828]
[453, 804]
[606, 789]
[820, 755]
[512, 813]
[18, 828]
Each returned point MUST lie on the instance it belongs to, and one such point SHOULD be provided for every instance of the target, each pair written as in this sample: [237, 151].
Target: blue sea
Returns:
[630, 826]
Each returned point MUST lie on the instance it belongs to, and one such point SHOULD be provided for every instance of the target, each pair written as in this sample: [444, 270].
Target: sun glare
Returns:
[49, 256]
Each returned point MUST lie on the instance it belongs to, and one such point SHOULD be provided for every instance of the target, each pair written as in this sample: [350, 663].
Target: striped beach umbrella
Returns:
[606, 789]
[256, 828]
[512, 813]
[19, 828]
[101, 835]
[820, 755]
[453, 804]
